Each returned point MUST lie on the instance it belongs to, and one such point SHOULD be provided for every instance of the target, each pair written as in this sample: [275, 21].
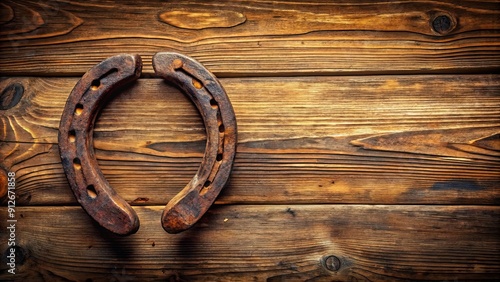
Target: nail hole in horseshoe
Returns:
[177, 63]
[72, 136]
[214, 103]
[197, 84]
[221, 128]
[78, 109]
[77, 164]
[95, 84]
[207, 183]
[91, 191]
[219, 157]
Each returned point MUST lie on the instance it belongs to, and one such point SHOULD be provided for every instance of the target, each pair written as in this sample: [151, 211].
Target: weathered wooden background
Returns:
[369, 131]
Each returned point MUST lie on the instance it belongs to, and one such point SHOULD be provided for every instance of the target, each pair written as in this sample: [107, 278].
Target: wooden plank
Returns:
[242, 38]
[379, 139]
[259, 243]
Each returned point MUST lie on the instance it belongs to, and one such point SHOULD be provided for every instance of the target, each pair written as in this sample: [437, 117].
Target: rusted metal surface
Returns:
[89, 185]
[203, 88]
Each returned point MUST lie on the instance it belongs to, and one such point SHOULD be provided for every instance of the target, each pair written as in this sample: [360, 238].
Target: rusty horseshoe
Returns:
[86, 180]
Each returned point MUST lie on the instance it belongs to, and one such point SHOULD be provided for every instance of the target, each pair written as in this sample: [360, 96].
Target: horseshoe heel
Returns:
[90, 187]
[203, 88]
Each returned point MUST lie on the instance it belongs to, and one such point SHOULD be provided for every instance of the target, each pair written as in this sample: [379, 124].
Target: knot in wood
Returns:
[443, 24]
[332, 263]
[11, 96]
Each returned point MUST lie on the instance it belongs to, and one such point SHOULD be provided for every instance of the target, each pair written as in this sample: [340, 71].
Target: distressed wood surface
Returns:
[379, 139]
[242, 38]
[264, 243]
[368, 131]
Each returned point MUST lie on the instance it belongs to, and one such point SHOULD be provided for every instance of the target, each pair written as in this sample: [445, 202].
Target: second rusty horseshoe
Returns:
[89, 185]
[187, 207]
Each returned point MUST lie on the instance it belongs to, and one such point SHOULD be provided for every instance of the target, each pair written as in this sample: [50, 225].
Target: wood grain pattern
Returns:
[375, 139]
[253, 37]
[264, 243]
[368, 130]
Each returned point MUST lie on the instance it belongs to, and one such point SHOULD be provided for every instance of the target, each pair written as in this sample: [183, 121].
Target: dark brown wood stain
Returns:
[368, 140]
